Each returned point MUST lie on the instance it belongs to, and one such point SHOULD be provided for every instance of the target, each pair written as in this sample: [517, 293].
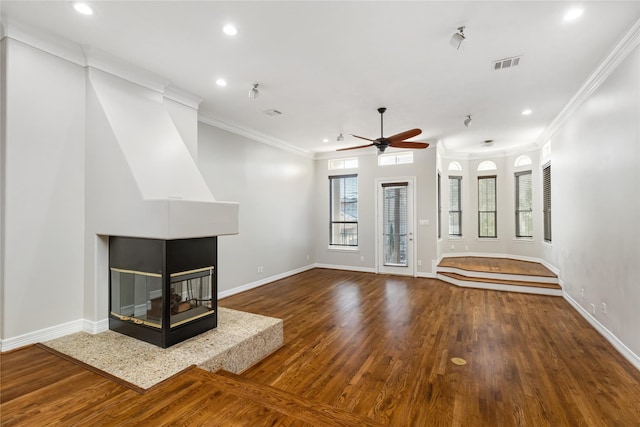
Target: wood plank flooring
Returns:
[371, 347]
[497, 265]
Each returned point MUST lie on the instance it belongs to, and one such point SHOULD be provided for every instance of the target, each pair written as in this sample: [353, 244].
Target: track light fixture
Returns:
[254, 92]
[340, 138]
[467, 120]
[457, 38]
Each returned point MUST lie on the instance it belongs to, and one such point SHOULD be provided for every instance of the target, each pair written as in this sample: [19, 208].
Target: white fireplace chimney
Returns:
[142, 181]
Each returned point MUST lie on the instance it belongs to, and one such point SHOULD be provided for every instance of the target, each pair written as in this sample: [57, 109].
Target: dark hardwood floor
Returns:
[360, 347]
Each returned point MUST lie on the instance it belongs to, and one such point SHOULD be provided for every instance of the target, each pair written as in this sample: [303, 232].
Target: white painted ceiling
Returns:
[327, 66]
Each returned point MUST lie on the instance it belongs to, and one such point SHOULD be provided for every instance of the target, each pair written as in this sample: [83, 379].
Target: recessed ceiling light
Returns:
[325, 140]
[230, 30]
[83, 8]
[573, 14]
[526, 112]
[221, 82]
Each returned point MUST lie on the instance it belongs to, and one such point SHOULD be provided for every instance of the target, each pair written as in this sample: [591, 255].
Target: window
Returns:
[344, 163]
[487, 165]
[439, 190]
[524, 199]
[455, 206]
[487, 206]
[455, 166]
[343, 202]
[403, 158]
[546, 201]
[523, 160]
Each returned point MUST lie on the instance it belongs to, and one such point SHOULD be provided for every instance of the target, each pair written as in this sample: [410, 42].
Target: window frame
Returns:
[484, 212]
[333, 221]
[546, 201]
[518, 208]
[459, 211]
[439, 192]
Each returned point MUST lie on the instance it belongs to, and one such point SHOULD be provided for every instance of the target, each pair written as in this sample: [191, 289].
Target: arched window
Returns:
[455, 166]
[487, 165]
[523, 160]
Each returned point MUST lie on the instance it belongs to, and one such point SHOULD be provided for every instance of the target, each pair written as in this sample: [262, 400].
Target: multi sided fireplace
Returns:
[162, 291]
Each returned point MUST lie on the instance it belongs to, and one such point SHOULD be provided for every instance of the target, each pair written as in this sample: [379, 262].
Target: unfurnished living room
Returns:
[323, 213]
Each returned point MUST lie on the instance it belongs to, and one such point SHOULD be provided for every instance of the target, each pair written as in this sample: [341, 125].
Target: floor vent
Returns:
[501, 64]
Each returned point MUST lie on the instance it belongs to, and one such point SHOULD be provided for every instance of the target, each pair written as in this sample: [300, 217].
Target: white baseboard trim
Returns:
[633, 358]
[346, 268]
[41, 335]
[93, 328]
[427, 275]
[258, 283]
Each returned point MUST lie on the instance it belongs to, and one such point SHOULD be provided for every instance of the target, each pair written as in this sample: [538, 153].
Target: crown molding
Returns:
[182, 97]
[621, 50]
[228, 125]
[53, 45]
[108, 63]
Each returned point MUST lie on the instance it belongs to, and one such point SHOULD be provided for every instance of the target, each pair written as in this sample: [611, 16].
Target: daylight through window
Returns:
[343, 200]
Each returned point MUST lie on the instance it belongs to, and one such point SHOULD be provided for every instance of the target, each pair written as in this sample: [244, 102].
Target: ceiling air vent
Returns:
[501, 64]
[272, 112]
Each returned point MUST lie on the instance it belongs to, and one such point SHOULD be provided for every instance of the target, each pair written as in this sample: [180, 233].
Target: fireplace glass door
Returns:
[133, 294]
[191, 295]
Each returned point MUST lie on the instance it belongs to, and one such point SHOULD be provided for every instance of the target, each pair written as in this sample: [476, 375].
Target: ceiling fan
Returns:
[397, 140]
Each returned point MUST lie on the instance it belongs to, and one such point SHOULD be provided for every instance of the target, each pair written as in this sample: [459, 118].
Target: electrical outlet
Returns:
[361, 259]
[452, 247]
[419, 262]
[260, 269]
[582, 293]
[604, 308]
[593, 309]
[307, 257]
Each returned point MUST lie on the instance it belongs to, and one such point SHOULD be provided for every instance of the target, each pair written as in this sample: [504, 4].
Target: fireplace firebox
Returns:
[162, 291]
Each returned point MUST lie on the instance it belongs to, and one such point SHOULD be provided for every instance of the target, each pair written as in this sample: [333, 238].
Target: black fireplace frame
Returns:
[164, 257]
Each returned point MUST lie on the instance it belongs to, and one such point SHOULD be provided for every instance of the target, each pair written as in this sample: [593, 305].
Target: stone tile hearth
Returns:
[240, 340]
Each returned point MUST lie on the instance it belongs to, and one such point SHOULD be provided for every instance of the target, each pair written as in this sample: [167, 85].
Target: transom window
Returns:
[344, 163]
[455, 166]
[487, 165]
[402, 158]
[523, 160]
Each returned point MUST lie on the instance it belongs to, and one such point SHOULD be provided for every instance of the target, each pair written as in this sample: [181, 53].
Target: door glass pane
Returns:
[394, 223]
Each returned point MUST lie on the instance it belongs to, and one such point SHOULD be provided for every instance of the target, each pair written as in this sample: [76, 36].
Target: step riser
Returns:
[498, 276]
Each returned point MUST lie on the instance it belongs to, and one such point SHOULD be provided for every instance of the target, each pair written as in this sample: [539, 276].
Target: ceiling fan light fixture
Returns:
[457, 38]
[254, 92]
[340, 138]
[467, 121]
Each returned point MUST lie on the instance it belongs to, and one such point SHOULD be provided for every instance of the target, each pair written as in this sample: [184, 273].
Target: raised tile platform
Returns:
[240, 340]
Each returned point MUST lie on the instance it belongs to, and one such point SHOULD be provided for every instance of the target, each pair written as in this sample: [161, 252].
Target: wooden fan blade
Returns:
[409, 144]
[353, 148]
[404, 135]
[362, 137]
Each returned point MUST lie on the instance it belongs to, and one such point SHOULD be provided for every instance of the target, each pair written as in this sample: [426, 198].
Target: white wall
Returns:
[423, 169]
[43, 203]
[275, 192]
[595, 177]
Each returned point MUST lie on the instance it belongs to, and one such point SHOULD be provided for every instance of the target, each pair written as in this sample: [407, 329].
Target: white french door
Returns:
[395, 226]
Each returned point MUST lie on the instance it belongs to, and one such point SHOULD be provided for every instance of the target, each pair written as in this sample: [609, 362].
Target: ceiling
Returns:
[327, 66]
